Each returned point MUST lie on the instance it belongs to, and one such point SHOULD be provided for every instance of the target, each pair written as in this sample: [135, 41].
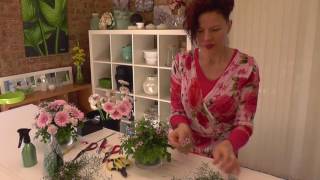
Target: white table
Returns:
[11, 164]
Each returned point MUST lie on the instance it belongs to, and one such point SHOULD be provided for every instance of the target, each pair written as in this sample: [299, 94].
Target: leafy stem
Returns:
[43, 37]
[39, 50]
[57, 40]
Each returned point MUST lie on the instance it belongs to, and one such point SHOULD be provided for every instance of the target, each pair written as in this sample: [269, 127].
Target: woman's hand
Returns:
[181, 138]
[225, 158]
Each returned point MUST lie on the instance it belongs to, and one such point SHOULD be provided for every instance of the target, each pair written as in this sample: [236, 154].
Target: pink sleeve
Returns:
[178, 114]
[238, 138]
[247, 108]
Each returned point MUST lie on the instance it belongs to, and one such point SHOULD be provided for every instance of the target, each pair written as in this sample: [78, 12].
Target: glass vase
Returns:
[94, 22]
[79, 75]
[178, 19]
[65, 139]
[144, 161]
[53, 158]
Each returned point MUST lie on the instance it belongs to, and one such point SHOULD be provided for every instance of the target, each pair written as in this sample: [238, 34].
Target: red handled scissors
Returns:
[90, 147]
[114, 150]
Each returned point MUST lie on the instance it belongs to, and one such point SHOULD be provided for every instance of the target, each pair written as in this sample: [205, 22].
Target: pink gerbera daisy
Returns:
[109, 107]
[124, 109]
[44, 119]
[76, 113]
[116, 115]
[61, 119]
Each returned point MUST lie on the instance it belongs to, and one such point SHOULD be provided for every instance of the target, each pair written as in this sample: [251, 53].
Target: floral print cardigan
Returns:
[226, 112]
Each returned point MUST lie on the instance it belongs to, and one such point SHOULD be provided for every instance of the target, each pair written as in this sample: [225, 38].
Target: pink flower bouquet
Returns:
[59, 119]
[116, 105]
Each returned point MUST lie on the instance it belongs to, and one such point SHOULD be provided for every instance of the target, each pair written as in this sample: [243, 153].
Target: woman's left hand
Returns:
[224, 156]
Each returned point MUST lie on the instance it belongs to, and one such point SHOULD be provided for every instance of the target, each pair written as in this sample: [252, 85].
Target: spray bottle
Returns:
[29, 155]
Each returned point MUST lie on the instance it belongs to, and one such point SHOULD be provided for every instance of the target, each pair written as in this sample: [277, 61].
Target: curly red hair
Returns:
[198, 7]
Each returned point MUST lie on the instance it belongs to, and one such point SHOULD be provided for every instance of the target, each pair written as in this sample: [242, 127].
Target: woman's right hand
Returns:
[181, 138]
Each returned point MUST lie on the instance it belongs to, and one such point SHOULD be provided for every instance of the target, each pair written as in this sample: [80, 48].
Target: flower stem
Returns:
[102, 115]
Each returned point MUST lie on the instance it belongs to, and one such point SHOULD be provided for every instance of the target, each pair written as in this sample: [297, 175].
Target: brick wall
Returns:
[12, 55]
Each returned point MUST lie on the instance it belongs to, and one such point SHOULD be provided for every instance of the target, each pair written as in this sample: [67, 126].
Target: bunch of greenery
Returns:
[78, 55]
[148, 142]
[85, 168]
[204, 172]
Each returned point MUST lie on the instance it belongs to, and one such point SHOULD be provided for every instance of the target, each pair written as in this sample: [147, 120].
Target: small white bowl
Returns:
[140, 25]
[150, 53]
[151, 61]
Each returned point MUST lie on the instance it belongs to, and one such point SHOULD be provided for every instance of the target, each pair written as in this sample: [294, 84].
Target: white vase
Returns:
[150, 85]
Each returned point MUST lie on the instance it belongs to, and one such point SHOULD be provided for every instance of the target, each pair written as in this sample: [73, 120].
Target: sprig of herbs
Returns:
[204, 172]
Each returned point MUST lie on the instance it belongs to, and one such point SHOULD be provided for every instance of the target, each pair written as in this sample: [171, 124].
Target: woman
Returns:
[214, 88]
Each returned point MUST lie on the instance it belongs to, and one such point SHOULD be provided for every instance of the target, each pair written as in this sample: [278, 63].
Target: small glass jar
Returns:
[94, 22]
[43, 83]
[150, 85]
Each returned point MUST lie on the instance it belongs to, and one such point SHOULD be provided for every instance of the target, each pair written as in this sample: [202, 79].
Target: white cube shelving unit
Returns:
[105, 56]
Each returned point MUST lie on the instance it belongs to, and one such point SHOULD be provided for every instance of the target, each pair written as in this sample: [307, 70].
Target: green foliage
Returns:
[44, 18]
[85, 168]
[204, 172]
[33, 35]
[28, 10]
[148, 144]
[78, 55]
[53, 15]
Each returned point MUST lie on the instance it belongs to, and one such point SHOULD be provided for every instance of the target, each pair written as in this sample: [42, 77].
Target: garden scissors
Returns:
[114, 150]
[90, 147]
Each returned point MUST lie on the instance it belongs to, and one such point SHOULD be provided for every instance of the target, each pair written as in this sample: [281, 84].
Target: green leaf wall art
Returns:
[45, 27]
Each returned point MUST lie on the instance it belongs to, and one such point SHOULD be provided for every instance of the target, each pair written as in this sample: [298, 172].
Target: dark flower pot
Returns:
[111, 124]
[124, 73]
[108, 123]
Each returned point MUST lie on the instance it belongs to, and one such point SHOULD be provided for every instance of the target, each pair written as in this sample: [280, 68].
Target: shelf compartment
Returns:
[101, 71]
[164, 85]
[128, 76]
[165, 41]
[141, 105]
[165, 111]
[118, 42]
[100, 47]
[141, 43]
[140, 75]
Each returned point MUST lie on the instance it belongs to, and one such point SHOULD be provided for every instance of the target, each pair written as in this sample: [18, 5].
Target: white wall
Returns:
[281, 35]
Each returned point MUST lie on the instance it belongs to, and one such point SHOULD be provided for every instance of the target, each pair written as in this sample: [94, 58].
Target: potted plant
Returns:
[147, 144]
[113, 106]
[78, 60]
[58, 119]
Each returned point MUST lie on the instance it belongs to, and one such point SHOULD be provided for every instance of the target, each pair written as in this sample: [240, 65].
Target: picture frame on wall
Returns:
[44, 27]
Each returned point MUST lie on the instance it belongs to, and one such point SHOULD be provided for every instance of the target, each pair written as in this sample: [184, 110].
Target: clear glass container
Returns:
[150, 85]
[172, 51]
[43, 83]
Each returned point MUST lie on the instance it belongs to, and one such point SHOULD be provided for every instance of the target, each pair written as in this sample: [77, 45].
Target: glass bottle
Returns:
[94, 22]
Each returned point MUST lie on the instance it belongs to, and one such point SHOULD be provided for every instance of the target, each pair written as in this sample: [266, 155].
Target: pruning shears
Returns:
[119, 164]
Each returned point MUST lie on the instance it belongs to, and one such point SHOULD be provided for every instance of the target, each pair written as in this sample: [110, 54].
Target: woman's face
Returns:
[213, 31]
